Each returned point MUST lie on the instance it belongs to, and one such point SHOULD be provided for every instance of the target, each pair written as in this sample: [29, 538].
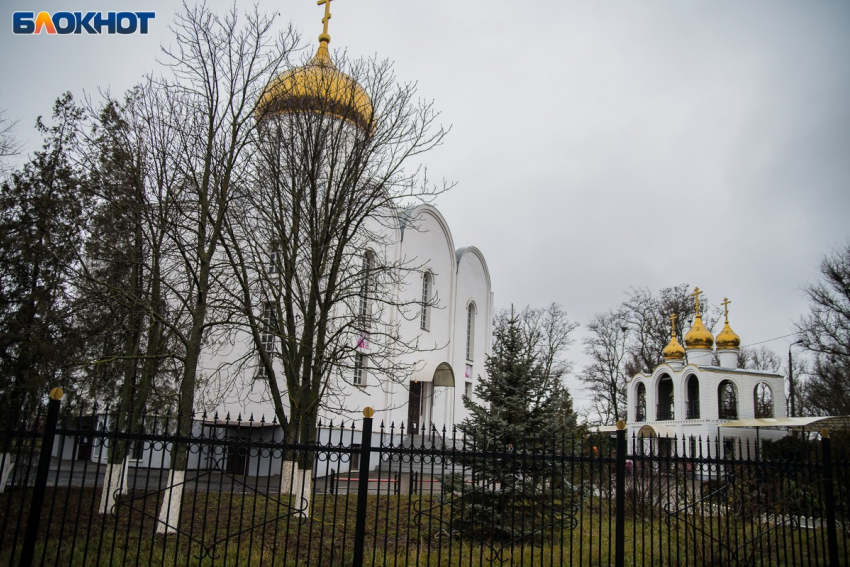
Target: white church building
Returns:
[445, 291]
[452, 328]
[689, 397]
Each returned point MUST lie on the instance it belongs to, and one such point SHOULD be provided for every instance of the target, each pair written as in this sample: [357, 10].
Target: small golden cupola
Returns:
[673, 353]
[727, 341]
[318, 87]
[699, 338]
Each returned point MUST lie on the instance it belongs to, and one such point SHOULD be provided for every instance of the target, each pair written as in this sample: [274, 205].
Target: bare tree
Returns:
[548, 331]
[630, 339]
[647, 316]
[313, 239]
[825, 332]
[9, 146]
[760, 358]
[206, 110]
[606, 377]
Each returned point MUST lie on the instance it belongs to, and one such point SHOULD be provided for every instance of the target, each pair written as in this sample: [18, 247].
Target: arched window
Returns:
[640, 395]
[693, 397]
[763, 400]
[367, 288]
[727, 400]
[665, 410]
[470, 331]
[425, 316]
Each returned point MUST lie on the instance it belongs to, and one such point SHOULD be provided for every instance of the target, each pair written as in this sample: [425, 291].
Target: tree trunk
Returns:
[298, 482]
[171, 505]
[6, 466]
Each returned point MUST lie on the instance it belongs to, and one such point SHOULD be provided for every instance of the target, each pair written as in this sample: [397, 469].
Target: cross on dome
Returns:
[697, 292]
[725, 303]
[324, 37]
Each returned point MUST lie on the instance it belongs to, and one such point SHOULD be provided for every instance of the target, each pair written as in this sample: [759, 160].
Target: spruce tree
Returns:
[523, 425]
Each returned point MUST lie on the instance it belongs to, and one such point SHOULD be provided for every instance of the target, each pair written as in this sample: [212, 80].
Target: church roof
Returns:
[739, 371]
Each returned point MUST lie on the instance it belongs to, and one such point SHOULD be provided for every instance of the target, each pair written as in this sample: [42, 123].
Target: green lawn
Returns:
[231, 529]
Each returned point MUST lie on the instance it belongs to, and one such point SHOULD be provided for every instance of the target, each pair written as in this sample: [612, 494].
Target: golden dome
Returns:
[317, 87]
[727, 339]
[673, 350]
[699, 336]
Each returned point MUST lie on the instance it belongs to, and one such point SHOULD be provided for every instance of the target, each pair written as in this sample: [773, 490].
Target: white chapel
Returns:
[689, 397]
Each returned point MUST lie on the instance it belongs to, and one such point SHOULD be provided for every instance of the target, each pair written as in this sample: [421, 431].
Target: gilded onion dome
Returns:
[673, 350]
[317, 87]
[698, 336]
[727, 339]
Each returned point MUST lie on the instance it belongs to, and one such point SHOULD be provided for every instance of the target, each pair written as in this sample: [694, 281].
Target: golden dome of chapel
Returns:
[727, 338]
[698, 337]
[673, 351]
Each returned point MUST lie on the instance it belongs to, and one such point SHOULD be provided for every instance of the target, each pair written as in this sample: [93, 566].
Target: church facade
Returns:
[448, 316]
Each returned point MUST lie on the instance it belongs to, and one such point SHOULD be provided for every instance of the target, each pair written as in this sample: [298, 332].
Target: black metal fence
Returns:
[394, 497]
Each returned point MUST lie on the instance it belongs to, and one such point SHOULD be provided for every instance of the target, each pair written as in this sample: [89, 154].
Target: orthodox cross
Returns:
[696, 294]
[673, 318]
[324, 36]
[725, 303]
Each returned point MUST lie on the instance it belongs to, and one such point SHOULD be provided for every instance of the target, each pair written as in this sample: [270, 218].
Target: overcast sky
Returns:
[596, 145]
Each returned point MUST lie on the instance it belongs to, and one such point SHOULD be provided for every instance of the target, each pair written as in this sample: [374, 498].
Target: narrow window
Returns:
[367, 285]
[266, 336]
[470, 331]
[274, 258]
[640, 413]
[693, 397]
[665, 409]
[360, 367]
[426, 302]
[467, 389]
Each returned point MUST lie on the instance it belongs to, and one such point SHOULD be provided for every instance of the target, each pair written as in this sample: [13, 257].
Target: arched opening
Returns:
[665, 410]
[640, 396]
[763, 400]
[727, 400]
[431, 375]
[693, 397]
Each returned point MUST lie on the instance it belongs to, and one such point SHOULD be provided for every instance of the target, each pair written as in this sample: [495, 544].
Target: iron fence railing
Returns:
[728, 411]
[693, 409]
[665, 412]
[416, 497]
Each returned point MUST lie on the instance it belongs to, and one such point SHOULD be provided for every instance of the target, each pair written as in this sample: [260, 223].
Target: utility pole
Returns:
[791, 381]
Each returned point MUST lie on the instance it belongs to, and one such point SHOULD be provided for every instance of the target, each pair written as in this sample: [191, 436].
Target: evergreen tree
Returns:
[39, 239]
[524, 423]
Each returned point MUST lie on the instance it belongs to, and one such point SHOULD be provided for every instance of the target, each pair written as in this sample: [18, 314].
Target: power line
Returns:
[773, 339]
